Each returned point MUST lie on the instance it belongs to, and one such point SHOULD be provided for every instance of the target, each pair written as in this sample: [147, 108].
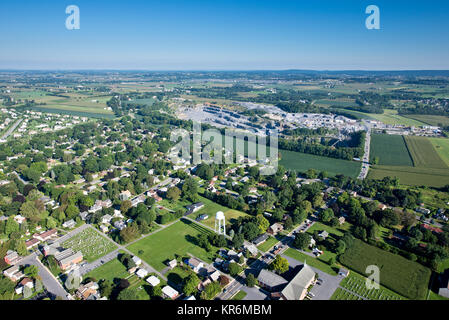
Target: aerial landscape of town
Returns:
[100, 200]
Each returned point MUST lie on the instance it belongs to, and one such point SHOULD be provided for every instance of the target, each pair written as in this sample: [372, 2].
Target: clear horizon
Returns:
[199, 35]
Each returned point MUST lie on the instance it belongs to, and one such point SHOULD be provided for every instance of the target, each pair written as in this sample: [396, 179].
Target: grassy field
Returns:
[412, 176]
[91, 244]
[318, 226]
[211, 208]
[177, 239]
[109, 271]
[391, 117]
[303, 162]
[442, 147]
[423, 153]
[390, 149]
[311, 261]
[409, 279]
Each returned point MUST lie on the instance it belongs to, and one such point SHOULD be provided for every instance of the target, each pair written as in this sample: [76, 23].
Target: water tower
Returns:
[220, 223]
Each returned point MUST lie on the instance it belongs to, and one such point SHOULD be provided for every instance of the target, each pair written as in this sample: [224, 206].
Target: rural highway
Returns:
[365, 159]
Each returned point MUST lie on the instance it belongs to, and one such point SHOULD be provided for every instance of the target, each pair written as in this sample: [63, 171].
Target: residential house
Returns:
[153, 281]
[104, 228]
[137, 260]
[343, 272]
[274, 229]
[323, 235]
[69, 224]
[31, 243]
[120, 224]
[260, 239]
[125, 195]
[195, 264]
[86, 290]
[194, 208]
[172, 263]
[19, 219]
[142, 273]
[170, 293]
[106, 219]
[26, 282]
[13, 273]
[47, 235]
[11, 257]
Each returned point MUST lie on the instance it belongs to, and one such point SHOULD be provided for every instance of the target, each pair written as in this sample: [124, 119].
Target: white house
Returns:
[142, 273]
[153, 281]
[169, 292]
[137, 260]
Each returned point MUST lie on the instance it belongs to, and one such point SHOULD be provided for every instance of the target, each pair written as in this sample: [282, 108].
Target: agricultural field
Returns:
[407, 278]
[357, 285]
[390, 149]
[430, 119]
[175, 240]
[109, 271]
[91, 244]
[391, 117]
[412, 176]
[423, 153]
[302, 162]
[442, 147]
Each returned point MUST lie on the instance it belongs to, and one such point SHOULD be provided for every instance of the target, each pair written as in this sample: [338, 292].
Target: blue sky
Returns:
[224, 35]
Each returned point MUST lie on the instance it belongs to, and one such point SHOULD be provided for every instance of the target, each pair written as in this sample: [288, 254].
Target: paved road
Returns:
[365, 159]
[11, 130]
[48, 279]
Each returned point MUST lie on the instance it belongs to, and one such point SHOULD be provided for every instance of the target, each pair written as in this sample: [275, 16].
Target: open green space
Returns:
[175, 240]
[311, 261]
[390, 149]
[109, 271]
[341, 294]
[302, 162]
[423, 153]
[240, 295]
[412, 176]
[91, 244]
[430, 119]
[271, 241]
[441, 145]
[408, 278]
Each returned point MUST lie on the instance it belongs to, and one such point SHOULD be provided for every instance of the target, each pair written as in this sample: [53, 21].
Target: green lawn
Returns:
[311, 261]
[271, 241]
[357, 285]
[240, 295]
[211, 208]
[318, 226]
[177, 239]
[109, 271]
[91, 244]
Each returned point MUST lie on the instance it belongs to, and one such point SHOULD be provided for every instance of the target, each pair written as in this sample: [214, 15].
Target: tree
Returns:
[251, 280]
[340, 247]
[302, 241]
[128, 294]
[262, 223]
[173, 193]
[234, 269]
[11, 226]
[31, 271]
[106, 287]
[125, 206]
[191, 283]
[279, 265]
[237, 240]
[130, 233]
[190, 189]
[326, 215]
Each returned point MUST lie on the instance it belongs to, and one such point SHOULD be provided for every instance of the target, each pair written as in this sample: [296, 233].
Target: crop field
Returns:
[423, 153]
[407, 278]
[357, 285]
[390, 149]
[91, 244]
[430, 119]
[177, 239]
[412, 176]
[442, 147]
[391, 117]
[303, 162]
